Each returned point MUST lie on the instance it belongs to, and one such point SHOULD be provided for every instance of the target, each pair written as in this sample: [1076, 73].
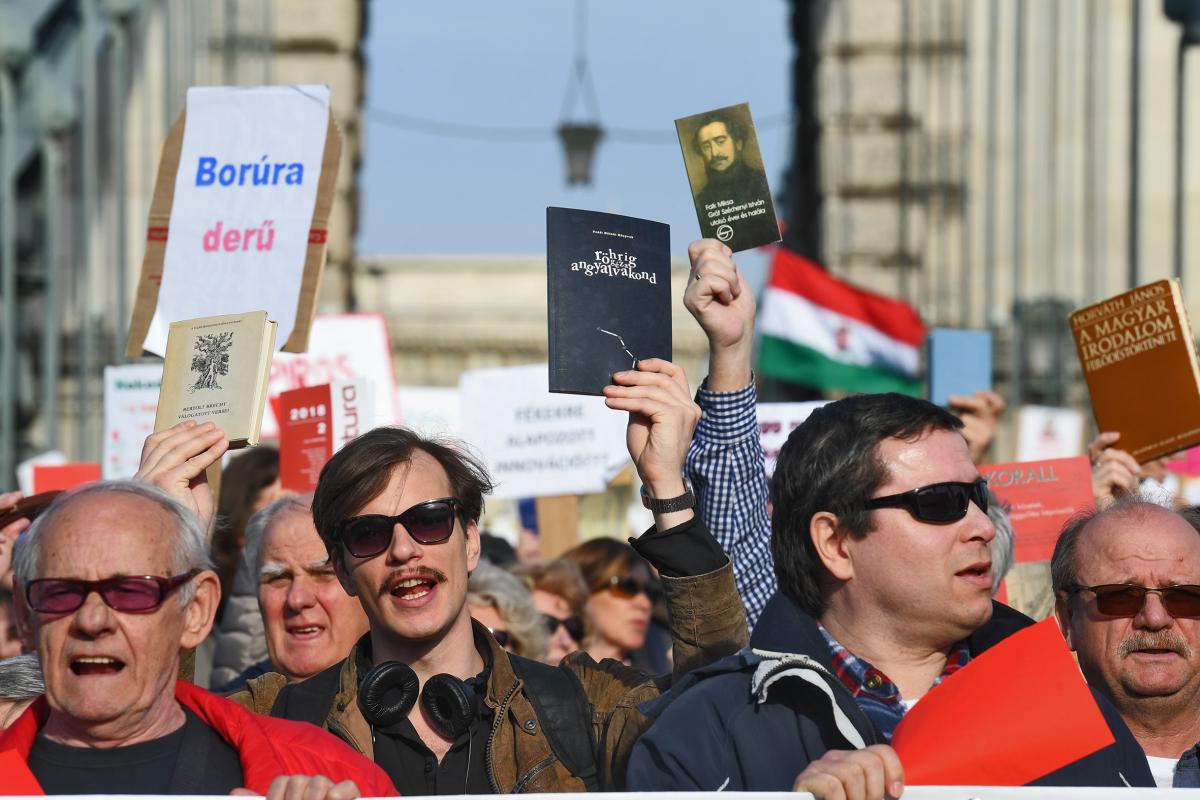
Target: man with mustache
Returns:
[720, 140]
[1127, 588]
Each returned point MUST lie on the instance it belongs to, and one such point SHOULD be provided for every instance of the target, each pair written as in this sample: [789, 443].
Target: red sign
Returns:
[15, 777]
[316, 422]
[1041, 496]
[1021, 710]
[47, 478]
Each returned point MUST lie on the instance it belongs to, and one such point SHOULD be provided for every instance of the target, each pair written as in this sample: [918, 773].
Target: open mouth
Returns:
[306, 631]
[412, 588]
[978, 573]
[96, 665]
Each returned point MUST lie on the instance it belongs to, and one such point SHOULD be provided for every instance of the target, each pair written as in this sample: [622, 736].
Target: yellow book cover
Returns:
[217, 369]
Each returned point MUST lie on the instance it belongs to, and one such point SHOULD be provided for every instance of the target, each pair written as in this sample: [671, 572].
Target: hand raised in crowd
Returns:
[718, 297]
[8, 536]
[872, 773]
[174, 460]
[306, 787]
[1114, 471]
[662, 418]
[980, 413]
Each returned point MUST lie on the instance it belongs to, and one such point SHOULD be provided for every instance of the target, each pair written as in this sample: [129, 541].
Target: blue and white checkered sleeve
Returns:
[725, 465]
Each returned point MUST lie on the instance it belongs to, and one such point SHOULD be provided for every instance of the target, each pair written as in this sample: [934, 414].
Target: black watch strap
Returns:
[670, 504]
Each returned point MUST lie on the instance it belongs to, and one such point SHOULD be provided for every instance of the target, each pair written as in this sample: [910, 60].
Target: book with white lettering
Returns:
[608, 296]
[216, 369]
[1139, 360]
[317, 421]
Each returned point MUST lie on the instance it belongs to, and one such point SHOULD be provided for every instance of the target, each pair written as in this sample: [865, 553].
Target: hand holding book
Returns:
[175, 461]
[718, 297]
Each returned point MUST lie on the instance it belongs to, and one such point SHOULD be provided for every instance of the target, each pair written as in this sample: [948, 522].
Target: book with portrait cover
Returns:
[728, 179]
[608, 296]
[1139, 360]
[216, 369]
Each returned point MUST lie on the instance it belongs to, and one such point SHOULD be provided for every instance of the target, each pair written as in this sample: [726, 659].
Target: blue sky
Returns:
[505, 65]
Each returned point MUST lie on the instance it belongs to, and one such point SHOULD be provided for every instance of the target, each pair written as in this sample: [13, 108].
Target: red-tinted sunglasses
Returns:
[133, 593]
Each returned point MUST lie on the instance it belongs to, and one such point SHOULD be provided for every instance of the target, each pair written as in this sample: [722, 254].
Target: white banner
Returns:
[130, 403]
[538, 444]
[1045, 432]
[776, 421]
[243, 205]
[340, 347]
[431, 410]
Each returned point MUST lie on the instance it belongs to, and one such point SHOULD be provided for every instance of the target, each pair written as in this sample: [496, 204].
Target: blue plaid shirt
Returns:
[874, 691]
[726, 467]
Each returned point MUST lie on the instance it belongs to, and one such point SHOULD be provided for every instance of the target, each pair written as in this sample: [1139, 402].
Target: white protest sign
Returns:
[1045, 432]
[130, 403]
[340, 347]
[538, 444]
[243, 205]
[776, 421]
[432, 410]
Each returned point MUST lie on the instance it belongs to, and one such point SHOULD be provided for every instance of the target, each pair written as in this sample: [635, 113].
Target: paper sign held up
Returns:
[47, 478]
[1015, 713]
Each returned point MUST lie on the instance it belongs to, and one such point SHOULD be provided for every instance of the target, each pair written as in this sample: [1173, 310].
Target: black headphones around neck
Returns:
[388, 691]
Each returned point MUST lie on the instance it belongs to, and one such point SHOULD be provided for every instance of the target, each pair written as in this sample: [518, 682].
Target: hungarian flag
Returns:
[823, 333]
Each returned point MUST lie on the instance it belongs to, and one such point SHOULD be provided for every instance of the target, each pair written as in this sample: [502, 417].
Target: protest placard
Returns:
[130, 404]
[1048, 432]
[239, 216]
[58, 477]
[317, 421]
[536, 443]
[776, 421]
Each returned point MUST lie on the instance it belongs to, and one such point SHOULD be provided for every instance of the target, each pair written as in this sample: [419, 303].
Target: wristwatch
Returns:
[670, 504]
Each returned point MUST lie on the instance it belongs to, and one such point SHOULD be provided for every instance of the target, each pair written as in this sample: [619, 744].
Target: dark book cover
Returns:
[608, 296]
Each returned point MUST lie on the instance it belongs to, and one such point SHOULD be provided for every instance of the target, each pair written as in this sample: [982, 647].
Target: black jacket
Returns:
[755, 720]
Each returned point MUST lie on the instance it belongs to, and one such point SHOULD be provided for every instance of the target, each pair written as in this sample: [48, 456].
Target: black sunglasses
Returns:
[136, 593]
[938, 502]
[627, 588]
[573, 624]
[1127, 600]
[430, 522]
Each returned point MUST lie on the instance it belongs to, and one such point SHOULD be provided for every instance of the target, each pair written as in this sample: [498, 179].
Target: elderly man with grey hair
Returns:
[1127, 597]
[113, 581]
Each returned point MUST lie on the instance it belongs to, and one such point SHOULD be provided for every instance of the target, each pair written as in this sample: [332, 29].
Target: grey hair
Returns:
[21, 677]
[246, 579]
[1004, 542]
[189, 550]
[490, 585]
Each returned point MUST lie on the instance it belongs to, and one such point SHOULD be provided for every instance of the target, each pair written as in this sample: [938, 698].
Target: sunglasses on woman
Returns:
[627, 588]
[134, 593]
[1127, 600]
[573, 624]
[938, 502]
[430, 522]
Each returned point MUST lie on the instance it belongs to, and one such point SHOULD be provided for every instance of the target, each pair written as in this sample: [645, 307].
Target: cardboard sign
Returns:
[1041, 496]
[776, 421]
[536, 443]
[1022, 709]
[1047, 432]
[317, 421]
[240, 212]
[342, 347]
[48, 477]
[130, 404]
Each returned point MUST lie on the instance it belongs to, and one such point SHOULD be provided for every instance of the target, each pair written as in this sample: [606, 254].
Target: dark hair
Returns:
[241, 483]
[831, 463]
[731, 122]
[359, 472]
[561, 577]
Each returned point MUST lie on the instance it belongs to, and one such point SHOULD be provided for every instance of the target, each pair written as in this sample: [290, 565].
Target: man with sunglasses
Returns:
[1127, 595]
[881, 540]
[114, 580]
[399, 515]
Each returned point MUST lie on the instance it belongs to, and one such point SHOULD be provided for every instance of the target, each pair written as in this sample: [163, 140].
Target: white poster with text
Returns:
[130, 403]
[776, 421]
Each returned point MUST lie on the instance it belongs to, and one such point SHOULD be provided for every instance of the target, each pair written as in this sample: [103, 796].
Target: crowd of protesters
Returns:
[371, 639]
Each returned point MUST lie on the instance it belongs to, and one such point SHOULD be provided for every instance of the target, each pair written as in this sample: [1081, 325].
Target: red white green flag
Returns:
[821, 332]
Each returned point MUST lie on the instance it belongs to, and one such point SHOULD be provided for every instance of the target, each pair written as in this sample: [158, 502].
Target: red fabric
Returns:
[267, 747]
[15, 777]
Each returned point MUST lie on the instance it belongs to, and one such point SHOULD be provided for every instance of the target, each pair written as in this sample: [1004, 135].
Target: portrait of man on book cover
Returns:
[728, 178]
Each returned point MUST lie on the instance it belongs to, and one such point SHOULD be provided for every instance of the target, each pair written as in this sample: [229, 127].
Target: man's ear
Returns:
[339, 569]
[474, 545]
[1064, 614]
[24, 619]
[201, 610]
[830, 542]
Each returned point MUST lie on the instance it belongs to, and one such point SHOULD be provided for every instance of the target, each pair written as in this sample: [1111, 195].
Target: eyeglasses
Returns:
[430, 522]
[627, 588]
[574, 626]
[1127, 600]
[938, 502]
[121, 593]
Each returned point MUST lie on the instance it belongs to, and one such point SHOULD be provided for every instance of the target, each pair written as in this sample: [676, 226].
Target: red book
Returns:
[1041, 496]
[314, 423]
[1018, 711]
[15, 778]
[47, 478]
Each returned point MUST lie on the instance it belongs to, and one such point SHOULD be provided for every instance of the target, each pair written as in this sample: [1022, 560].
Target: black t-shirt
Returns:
[415, 769]
[192, 760]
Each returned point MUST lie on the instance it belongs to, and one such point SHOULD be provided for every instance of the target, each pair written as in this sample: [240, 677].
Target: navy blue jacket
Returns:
[755, 720]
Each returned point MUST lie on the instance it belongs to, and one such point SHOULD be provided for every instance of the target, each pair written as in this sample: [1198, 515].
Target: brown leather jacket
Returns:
[708, 622]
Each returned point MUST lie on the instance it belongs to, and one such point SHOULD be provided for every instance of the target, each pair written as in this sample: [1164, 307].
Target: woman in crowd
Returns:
[560, 596]
[249, 484]
[620, 590]
[501, 603]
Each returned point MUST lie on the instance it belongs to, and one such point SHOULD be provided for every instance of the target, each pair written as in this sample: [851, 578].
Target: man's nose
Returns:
[1154, 615]
[300, 595]
[404, 547]
[94, 617]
